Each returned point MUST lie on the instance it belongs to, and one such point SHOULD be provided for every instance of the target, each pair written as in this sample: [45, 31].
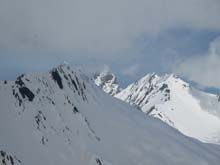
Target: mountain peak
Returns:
[107, 81]
[172, 100]
[149, 76]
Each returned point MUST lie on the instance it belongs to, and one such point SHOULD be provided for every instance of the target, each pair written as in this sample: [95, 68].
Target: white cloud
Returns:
[204, 70]
[97, 26]
[131, 71]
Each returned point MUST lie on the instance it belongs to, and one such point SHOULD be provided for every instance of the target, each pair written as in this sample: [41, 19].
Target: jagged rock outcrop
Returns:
[107, 81]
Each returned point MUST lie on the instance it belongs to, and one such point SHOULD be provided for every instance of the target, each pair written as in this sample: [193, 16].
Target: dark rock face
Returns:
[75, 110]
[56, 77]
[73, 82]
[150, 110]
[25, 92]
[39, 119]
[19, 81]
[164, 86]
[167, 90]
[98, 161]
[6, 159]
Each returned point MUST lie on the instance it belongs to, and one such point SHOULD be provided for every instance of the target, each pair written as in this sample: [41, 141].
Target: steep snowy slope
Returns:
[107, 81]
[194, 113]
[61, 118]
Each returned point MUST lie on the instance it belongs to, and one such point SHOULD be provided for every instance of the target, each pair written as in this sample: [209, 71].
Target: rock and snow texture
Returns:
[194, 113]
[61, 117]
[107, 81]
[8, 159]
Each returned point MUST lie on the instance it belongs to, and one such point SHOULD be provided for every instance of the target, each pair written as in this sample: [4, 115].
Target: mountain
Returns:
[61, 117]
[172, 100]
[106, 80]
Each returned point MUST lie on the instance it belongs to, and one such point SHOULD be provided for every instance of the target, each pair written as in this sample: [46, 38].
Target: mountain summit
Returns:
[107, 81]
[61, 117]
[172, 100]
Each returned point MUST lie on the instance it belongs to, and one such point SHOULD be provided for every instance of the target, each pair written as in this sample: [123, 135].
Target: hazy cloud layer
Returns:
[132, 70]
[133, 37]
[204, 70]
[100, 27]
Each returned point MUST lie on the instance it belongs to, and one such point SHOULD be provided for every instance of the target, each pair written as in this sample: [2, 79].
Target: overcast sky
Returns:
[131, 37]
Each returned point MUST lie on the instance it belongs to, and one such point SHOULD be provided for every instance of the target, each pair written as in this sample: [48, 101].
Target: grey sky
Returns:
[203, 69]
[133, 37]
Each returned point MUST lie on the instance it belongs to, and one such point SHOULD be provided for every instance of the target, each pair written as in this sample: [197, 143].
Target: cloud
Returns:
[131, 71]
[100, 27]
[205, 69]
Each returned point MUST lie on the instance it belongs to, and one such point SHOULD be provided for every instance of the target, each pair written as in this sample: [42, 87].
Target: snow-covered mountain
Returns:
[107, 81]
[61, 117]
[193, 112]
